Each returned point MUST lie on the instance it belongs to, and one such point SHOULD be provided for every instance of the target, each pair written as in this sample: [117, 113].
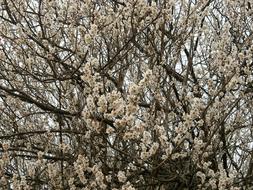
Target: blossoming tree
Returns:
[134, 94]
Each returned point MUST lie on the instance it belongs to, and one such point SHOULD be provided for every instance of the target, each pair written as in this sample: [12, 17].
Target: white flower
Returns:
[128, 186]
[202, 176]
[5, 146]
[154, 148]
[134, 89]
[87, 38]
[102, 103]
[109, 130]
[146, 137]
[145, 155]
[121, 176]
[40, 155]
[93, 29]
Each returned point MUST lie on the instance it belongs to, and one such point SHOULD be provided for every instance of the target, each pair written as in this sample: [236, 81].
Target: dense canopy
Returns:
[126, 94]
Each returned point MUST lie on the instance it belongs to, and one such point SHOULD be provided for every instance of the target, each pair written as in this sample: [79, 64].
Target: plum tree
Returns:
[134, 94]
